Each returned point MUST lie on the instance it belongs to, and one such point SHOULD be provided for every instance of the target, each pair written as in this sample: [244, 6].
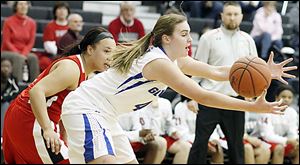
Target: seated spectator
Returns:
[158, 117]
[203, 9]
[75, 27]
[18, 39]
[267, 29]
[256, 151]
[126, 27]
[143, 141]
[9, 87]
[293, 15]
[281, 131]
[249, 9]
[185, 121]
[54, 31]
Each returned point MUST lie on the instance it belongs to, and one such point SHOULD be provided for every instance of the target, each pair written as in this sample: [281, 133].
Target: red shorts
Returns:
[136, 146]
[169, 140]
[23, 141]
[287, 149]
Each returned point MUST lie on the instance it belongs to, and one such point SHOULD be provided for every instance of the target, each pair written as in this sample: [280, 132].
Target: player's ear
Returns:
[90, 50]
[165, 38]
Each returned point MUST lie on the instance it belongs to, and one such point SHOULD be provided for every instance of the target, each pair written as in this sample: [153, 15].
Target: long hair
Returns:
[124, 55]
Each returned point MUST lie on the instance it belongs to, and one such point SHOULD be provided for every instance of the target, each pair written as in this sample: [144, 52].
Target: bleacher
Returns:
[101, 13]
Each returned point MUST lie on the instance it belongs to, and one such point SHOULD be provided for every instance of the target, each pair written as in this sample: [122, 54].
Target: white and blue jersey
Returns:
[96, 103]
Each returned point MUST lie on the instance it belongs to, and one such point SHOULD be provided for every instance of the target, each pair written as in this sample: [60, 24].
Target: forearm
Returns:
[223, 102]
[39, 107]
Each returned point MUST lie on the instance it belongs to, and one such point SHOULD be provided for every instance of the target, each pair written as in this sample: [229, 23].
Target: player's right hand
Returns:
[52, 140]
[262, 106]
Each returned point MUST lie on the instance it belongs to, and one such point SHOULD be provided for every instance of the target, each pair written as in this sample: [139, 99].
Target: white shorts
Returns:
[90, 136]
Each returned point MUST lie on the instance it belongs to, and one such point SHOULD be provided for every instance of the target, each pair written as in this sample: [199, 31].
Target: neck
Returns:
[61, 22]
[86, 65]
[168, 52]
[21, 15]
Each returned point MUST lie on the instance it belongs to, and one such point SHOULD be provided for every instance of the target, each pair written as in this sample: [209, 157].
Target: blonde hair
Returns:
[125, 54]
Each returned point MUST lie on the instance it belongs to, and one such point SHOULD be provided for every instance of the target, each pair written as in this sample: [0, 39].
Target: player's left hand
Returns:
[278, 70]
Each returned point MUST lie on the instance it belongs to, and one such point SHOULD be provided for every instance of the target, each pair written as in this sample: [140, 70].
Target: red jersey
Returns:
[53, 31]
[53, 102]
[23, 140]
[118, 29]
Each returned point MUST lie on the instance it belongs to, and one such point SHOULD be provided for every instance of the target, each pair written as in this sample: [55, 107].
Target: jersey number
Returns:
[51, 100]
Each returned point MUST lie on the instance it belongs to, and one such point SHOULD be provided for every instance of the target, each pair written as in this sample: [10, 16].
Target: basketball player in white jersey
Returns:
[138, 74]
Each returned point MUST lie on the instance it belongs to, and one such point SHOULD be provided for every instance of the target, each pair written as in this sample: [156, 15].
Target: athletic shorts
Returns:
[91, 136]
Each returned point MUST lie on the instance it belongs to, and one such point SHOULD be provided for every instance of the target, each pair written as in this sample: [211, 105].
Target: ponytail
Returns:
[124, 55]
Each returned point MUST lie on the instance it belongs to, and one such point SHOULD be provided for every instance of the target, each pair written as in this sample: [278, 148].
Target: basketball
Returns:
[249, 76]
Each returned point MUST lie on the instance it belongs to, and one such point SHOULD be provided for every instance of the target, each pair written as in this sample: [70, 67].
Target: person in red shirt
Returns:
[30, 133]
[18, 39]
[54, 31]
[126, 27]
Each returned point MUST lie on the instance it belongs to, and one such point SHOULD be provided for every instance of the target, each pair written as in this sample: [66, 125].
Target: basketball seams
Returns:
[243, 73]
[252, 81]
[255, 69]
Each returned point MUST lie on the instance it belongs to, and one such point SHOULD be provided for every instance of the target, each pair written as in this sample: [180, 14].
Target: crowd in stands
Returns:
[164, 131]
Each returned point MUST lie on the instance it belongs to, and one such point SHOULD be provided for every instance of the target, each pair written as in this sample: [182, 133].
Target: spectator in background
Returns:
[281, 131]
[54, 31]
[143, 141]
[9, 87]
[126, 27]
[221, 47]
[203, 9]
[158, 117]
[18, 39]
[293, 15]
[267, 29]
[249, 9]
[75, 24]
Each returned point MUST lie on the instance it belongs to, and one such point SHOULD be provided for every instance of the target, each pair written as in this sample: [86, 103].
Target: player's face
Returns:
[181, 39]
[232, 17]
[102, 54]
[287, 97]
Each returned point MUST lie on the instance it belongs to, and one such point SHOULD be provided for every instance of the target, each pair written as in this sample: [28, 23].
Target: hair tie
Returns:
[151, 39]
[79, 47]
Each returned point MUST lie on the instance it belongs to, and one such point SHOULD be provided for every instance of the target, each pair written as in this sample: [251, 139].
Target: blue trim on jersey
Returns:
[162, 49]
[108, 145]
[138, 76]
[88, 141]
[134, 85]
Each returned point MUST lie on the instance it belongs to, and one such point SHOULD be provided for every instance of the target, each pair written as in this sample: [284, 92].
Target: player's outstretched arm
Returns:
[166, 72]
[221, 73]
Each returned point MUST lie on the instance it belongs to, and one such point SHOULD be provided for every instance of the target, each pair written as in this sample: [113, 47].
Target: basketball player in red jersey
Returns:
[31, 132]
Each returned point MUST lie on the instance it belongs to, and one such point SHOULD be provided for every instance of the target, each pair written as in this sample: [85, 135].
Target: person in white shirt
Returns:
[281, 131]
[158, 117]
[139, 72]
[256, 150]
[185, 121]
[143, 141]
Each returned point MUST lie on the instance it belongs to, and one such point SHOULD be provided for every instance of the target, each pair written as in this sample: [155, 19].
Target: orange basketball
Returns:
[249, 76]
